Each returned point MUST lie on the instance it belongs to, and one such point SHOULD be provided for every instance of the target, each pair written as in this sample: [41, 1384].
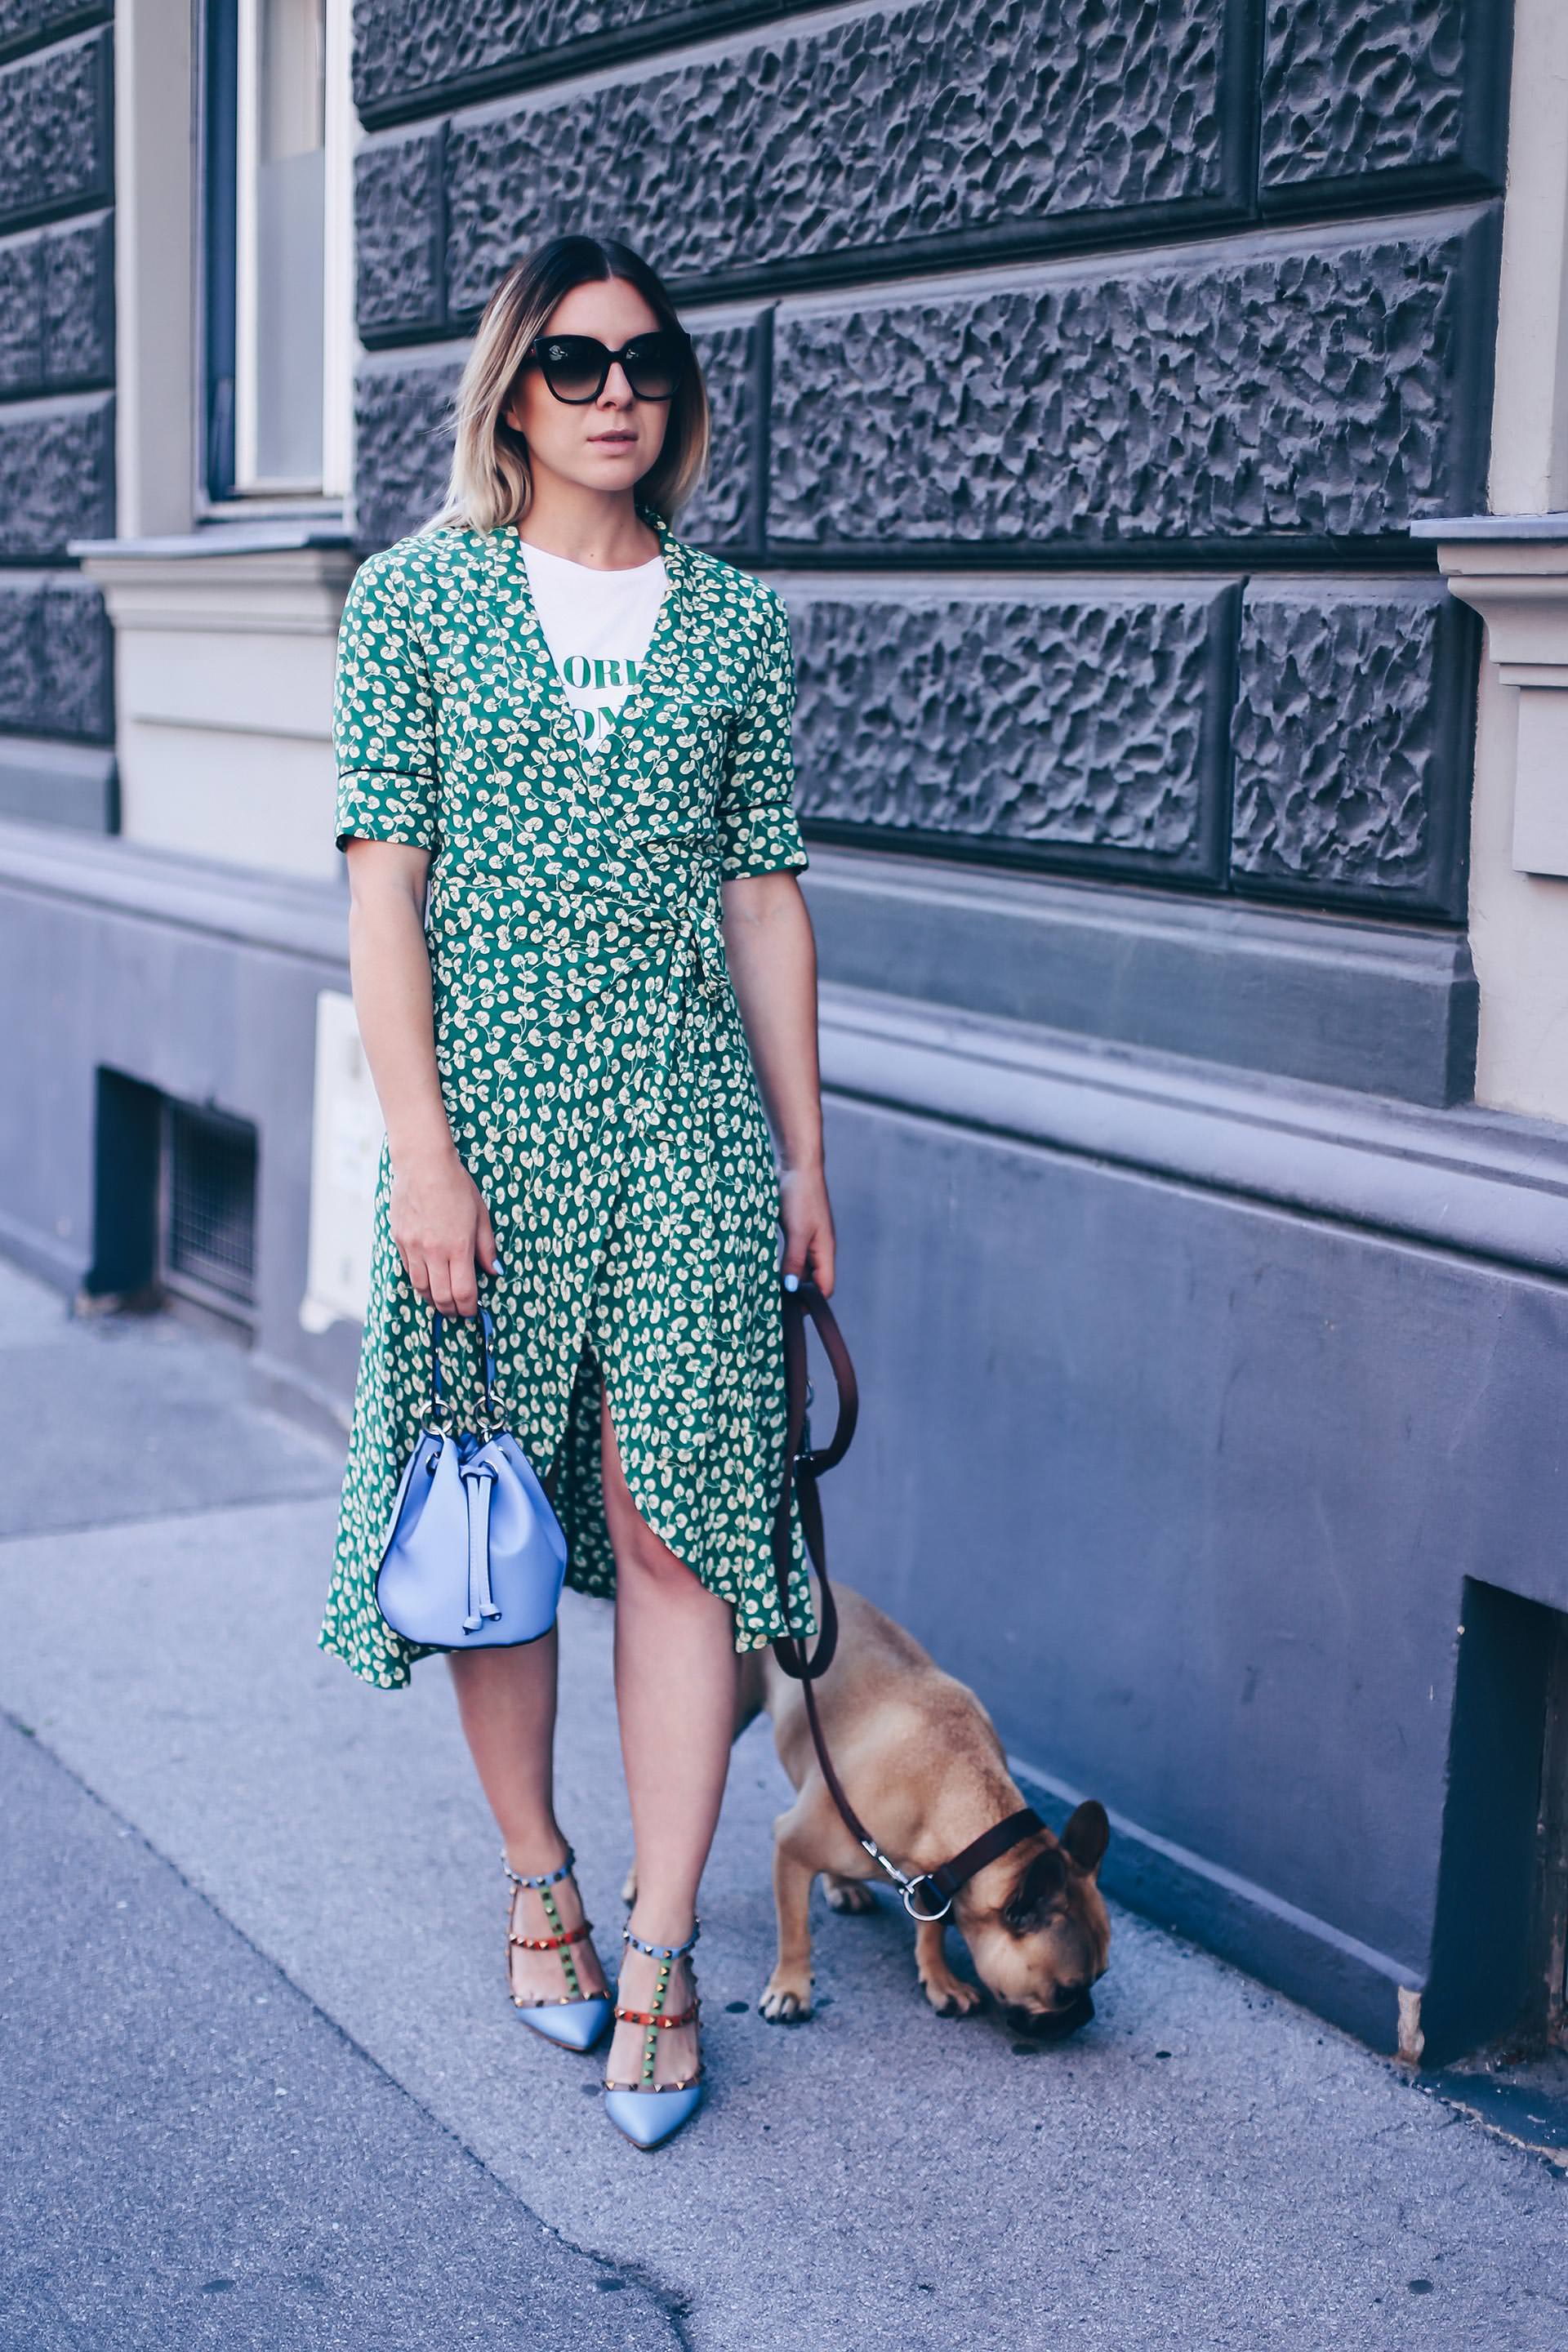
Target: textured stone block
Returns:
[79, 304]
[21, 315]
[407, 49]
[917, 127]
[78, 663]
[1351, 743]
[57, 137]
[1357, 90]
[726, 512]
[21, 654]
[56, 308]
[56, 660]
[400, 237]
[24, 23]
[1087, 726]
[404, 451]
[57, 475]
[1326, 390]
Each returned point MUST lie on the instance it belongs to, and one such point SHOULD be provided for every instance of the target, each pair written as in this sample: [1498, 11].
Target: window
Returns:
[278, 222]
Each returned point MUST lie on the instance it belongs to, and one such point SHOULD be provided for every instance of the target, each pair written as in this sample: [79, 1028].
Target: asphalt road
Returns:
[261, 2084]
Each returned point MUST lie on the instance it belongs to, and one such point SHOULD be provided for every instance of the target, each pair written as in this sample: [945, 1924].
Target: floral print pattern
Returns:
[591, 1053]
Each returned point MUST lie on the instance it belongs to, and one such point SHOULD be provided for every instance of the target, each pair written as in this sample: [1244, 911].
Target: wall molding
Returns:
[1384, 1006]
[1478, 1183]
[1482, 1183]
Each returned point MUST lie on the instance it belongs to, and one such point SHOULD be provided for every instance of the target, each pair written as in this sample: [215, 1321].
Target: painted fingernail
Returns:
[792, 1282]
[497, 1264]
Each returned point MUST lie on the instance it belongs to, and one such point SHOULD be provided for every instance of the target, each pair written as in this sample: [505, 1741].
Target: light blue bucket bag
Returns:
[475, 1557]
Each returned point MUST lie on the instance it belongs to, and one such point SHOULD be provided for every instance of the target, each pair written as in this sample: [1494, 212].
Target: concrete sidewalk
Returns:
[1205, 2166]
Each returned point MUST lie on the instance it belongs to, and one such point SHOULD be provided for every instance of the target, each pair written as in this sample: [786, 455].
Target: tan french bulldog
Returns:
[920, 1762]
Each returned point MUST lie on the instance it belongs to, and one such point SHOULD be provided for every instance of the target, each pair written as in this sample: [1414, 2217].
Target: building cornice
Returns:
[1513, 570]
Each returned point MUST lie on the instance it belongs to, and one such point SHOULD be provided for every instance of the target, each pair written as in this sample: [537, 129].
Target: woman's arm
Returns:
[439, 1221]
[771, 955]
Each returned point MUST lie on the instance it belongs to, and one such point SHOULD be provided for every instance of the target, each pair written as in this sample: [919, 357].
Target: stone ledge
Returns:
[1384, 1007]
[283, 579]
[57, 784]
[1475, 1181]
[284, 916]
[1482, 1183]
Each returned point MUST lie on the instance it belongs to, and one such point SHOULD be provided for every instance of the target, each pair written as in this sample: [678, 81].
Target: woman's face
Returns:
[607, 444]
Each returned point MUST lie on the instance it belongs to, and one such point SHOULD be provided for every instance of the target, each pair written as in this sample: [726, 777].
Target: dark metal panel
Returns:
[1082, 727]
[1351, 731]
[56, 129]
[1309, 393]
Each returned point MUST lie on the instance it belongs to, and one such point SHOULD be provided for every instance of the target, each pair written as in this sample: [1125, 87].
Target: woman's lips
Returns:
[613, 440]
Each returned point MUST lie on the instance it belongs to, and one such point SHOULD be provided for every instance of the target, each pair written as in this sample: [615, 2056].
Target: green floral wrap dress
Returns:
[596, 1073]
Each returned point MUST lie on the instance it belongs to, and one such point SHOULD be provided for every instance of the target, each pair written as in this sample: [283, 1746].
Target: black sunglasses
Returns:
[577, 367]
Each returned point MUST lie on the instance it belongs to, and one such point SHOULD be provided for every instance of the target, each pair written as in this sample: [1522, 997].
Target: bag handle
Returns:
[485, 1337]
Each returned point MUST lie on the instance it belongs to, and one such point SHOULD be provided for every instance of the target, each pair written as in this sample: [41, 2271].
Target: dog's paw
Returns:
[785, 2000]
[951, 1997]
[849, 1893]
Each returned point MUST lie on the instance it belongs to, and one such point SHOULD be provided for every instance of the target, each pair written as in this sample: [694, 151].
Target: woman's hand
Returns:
[808, 1223]
[442, 1229]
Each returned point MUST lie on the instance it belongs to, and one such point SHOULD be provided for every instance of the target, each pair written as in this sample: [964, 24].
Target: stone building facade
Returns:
[1157, 420]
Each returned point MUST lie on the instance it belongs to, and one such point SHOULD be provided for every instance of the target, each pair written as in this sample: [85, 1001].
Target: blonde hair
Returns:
[491, 482]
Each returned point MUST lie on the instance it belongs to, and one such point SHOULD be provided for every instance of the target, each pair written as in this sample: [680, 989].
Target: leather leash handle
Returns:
[801, 1471]
[802, 1468]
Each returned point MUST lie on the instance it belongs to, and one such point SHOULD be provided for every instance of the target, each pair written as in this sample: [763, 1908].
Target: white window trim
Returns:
[337, 293]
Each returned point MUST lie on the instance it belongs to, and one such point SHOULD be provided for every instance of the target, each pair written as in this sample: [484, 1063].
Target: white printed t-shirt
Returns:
[597, 625]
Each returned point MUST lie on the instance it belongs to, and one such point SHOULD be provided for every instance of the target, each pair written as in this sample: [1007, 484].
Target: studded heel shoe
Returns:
[573, 2019]
[648, 2112]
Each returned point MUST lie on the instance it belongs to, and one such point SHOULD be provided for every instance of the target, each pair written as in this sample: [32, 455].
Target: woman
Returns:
[576, 728]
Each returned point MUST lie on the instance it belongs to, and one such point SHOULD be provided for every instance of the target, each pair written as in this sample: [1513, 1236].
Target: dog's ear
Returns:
[1085, 1833]
[1035, 1893]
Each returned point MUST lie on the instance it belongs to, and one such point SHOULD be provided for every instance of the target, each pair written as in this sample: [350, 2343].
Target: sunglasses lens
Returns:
[653, 366]
[572, 365]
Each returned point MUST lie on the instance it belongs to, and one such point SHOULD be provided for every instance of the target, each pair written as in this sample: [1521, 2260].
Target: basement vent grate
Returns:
[210, 1204]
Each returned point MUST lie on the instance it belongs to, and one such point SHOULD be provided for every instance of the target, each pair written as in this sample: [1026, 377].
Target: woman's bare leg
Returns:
[506, 1702]
[676, 1677]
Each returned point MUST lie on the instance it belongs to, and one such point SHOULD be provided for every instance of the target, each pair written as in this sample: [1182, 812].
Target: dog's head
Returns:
[1042, 1945]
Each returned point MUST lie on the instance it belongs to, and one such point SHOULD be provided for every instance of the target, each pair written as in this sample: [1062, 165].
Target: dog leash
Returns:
[803, 1464]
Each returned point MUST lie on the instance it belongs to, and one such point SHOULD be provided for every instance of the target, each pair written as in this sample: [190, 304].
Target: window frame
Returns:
[227, 293]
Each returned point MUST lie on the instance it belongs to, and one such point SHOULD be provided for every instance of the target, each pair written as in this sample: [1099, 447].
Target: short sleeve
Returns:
[758, 833]
[383, 715]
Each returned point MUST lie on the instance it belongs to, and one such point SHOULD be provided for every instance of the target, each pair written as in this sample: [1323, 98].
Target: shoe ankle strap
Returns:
[662, 1951]
[545, 1878]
